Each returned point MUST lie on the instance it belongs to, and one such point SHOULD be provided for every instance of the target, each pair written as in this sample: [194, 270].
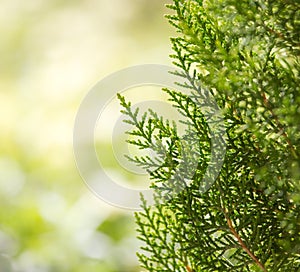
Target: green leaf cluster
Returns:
[246, 55]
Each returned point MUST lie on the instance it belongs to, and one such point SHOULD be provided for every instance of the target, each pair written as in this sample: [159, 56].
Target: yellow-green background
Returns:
[51, 53]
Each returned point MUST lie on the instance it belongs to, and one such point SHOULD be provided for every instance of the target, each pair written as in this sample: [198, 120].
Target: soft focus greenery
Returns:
[52, 53]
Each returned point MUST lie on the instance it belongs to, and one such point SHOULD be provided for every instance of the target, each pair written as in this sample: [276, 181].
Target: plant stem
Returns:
[243, 245]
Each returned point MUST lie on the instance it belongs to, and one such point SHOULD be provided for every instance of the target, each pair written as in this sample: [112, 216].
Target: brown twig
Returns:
[189, 269]
[280, 126]
[278, 34]
[242, 244]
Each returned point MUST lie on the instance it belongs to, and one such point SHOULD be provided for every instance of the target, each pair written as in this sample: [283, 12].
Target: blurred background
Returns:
[52, 52]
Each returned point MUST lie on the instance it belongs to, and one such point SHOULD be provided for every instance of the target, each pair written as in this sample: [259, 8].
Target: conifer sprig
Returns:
[246, 54]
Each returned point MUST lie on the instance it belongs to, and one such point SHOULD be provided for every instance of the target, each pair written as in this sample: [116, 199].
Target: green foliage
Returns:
[246, 54]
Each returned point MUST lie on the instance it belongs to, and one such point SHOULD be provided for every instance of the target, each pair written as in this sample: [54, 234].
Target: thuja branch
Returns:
[259, 99]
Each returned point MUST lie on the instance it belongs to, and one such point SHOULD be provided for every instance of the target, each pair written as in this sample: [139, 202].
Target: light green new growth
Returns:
[246, 53]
